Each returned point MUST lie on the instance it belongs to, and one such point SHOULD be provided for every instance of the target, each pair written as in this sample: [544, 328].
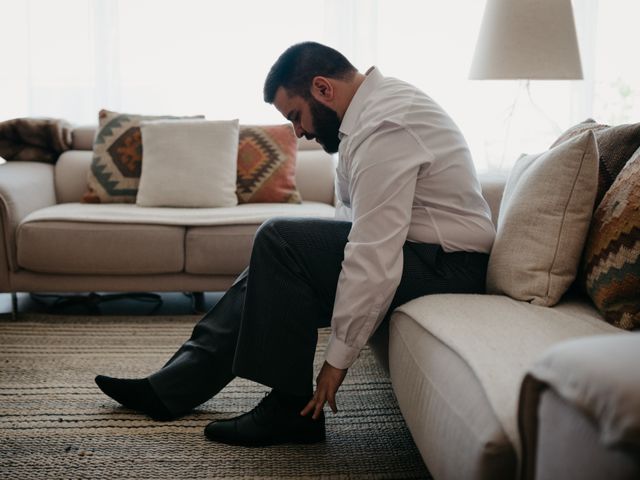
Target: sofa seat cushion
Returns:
[65, 247]
[220, 249]
[498, 338]
[254, 213]
[445, 407]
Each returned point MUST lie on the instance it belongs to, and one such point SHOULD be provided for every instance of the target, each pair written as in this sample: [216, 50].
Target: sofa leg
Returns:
[14, 305]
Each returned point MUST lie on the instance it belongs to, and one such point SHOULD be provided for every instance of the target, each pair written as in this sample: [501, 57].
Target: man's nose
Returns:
[298, 130]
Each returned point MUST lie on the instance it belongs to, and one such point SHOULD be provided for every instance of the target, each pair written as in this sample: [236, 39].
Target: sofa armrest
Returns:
[598, 377]
[24, 188]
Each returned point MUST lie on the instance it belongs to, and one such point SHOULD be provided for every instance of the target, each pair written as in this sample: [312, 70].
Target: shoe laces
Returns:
[263, 412]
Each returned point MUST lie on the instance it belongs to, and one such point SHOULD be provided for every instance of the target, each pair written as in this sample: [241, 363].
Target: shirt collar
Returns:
[350, 119]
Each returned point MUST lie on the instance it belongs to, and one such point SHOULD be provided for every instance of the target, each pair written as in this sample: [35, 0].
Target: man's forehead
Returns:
[283, 96]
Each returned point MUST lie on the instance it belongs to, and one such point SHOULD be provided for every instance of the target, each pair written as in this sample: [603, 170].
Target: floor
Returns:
[166, 303]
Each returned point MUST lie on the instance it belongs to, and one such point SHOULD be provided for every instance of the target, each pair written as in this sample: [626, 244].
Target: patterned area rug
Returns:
[55, 423]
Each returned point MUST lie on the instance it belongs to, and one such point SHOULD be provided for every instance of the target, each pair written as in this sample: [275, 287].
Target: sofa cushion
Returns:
[223, 249]
[544, 218]
[117, 158]
[190, 163]
[446, 407]
[315, 171]
[71, 171]
[68, 247]
[611, 262]
[492, 190]
[255, 213]
[499, 338]
[267, 164]
[82, 137]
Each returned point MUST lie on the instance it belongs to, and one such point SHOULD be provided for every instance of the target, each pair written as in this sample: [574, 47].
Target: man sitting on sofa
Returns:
[411, 221]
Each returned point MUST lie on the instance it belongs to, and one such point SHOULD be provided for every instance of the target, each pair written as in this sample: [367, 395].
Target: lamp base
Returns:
[526, 129]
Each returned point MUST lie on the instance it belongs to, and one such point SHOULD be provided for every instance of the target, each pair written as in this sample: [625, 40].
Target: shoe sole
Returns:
[281, 441]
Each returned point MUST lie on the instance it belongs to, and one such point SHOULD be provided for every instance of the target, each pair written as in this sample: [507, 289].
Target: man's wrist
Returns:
[340, 355]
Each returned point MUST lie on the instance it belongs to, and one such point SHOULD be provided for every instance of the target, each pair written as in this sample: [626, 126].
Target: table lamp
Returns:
[526, 40]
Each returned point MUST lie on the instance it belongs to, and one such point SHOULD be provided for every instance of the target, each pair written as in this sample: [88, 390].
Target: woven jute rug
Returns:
[56, 424]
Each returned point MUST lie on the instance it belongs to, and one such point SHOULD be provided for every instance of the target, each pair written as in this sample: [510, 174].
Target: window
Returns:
[70, 58]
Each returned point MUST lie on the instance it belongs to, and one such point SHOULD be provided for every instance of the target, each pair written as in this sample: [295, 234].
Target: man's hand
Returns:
[327, 384]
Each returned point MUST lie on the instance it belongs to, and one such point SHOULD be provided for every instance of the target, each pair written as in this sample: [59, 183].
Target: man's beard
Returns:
[326, 126]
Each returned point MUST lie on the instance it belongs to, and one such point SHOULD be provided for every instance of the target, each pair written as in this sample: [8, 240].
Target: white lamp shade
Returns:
[527, 39]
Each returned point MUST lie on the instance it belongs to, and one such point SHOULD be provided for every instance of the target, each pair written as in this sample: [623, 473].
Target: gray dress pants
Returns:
[265, 326]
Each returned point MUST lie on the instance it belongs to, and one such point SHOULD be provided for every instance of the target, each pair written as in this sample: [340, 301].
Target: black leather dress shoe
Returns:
[136, 394]
[269, 423]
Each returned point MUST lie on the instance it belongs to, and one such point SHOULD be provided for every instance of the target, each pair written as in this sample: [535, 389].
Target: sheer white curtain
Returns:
[70, 58]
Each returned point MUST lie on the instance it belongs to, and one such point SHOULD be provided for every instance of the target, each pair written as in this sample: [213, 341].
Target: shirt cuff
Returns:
[339, 354]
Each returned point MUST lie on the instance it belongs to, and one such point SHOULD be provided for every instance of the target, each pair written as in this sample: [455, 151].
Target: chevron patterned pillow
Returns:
[117, 157]
[267, 164]
[611, 261]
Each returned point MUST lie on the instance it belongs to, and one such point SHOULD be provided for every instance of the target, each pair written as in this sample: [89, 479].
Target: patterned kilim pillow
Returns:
[615, 144]
[117, 158]
[612, 254]
[267, 164]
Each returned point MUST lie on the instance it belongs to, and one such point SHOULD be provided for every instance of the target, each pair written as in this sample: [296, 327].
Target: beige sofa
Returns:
[52, 243]
[458, 365]
[457, 362]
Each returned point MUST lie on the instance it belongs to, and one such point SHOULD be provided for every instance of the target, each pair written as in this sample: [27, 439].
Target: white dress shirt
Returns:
[404, 173]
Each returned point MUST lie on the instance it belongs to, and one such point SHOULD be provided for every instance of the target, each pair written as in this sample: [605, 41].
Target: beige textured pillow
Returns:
[189, 163]
[544, 218]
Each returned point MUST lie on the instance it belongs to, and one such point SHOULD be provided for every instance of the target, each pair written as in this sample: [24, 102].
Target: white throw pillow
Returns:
[188, 163]
[544, 218]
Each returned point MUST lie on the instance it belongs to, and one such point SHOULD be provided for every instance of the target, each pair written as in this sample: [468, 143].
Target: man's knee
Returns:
[277, 230]
[303, 233]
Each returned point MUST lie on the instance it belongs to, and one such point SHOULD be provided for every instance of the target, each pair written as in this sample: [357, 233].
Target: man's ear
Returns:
[322, 89]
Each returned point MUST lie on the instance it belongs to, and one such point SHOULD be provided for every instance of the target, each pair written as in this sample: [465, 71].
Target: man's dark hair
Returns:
[295, 68]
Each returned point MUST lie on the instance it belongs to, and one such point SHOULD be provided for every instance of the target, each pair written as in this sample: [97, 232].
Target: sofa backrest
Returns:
[315, 169]
[492, 189]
